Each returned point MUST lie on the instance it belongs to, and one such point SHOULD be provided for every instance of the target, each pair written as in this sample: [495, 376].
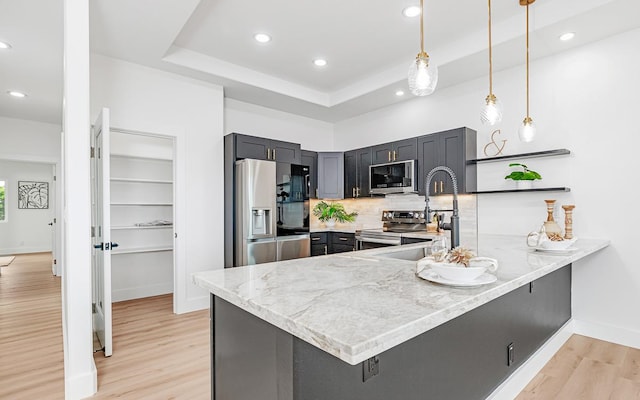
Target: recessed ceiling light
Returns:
[399, 93]
[411, 11]
[262, 37]
[4, 45]
[567, 36]
[16, 94]
[320, 62]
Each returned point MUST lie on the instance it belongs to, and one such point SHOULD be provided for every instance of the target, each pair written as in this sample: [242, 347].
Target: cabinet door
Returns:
[252, 147]
[331, 175]
[362, 170]
[350, 174]
[285, 152]
[382, 153]
[452, 156]
[427, 160]
[404, 150]
[310, 159]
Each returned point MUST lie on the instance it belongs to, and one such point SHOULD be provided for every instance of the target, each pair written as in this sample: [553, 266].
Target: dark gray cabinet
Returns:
[401, 150]
[310, 159]
[463, 359]
[330, 175]
[267, 149]
[356, 178]
[452, 148]
[323, 243]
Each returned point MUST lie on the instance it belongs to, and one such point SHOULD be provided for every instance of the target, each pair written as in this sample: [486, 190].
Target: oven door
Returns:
[366, 242]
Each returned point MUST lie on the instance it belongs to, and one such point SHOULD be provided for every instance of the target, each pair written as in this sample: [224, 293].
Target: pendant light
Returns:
[527, 130]
[492, 110]
[423, 75]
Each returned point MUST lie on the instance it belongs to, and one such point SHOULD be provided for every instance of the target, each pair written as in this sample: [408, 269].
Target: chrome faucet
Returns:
[454, 225]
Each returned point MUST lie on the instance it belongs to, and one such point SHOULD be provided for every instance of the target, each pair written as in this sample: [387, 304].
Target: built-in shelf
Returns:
[142, 204]
[546, 153]
[132, 227]
[132, 250]
[140, 180]
[140, 157]
[552, 189]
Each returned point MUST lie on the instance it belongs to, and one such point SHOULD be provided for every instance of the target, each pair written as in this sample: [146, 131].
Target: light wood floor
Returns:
[159, 355]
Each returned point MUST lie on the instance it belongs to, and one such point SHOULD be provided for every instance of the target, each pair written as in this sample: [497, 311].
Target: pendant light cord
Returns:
[490, 55]
[527, 60]
[421, 26]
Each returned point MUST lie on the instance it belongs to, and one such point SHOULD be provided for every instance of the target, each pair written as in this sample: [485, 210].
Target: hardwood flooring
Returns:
[160, 355]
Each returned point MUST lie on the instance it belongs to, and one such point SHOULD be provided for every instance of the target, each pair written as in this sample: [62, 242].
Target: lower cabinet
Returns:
[323, 243]
[466, 358]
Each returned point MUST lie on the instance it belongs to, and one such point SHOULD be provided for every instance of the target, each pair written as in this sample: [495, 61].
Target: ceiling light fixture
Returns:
[320, 62]
[262, 37]
[423, 75]
[527, 130]
[16, 94]
[567, 36]
[411, 11]
[492, 111]
[5, 46]
[399, 93]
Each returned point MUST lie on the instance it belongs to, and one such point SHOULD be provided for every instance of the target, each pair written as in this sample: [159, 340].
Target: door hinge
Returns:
[93, 231]
[55, 261]
[54, 220]
[93, 152]
[54, 177]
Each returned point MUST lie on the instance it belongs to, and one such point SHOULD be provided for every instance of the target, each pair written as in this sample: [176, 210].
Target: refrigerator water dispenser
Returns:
[261, 222]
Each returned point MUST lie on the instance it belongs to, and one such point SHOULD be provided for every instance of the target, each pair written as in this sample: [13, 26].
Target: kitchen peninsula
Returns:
[361, 325]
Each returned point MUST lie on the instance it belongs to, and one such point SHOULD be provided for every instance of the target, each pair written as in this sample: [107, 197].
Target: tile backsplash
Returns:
[370, 211]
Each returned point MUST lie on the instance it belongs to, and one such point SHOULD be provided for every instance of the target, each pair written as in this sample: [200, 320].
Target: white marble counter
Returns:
[356, 305]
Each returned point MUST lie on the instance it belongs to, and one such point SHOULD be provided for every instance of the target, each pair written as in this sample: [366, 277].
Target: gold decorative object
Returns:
[492, 111]
[568, 220]
[550, 225]
[494, 144]
[461, 255]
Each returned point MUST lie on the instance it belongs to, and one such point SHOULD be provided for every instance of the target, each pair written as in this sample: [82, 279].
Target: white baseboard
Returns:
[510, 388]
[81, 386]
[141, 291]
[12, 251]
[608, 333]
[193, 304]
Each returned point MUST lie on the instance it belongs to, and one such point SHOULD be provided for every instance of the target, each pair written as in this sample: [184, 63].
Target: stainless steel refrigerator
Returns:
[260, 215]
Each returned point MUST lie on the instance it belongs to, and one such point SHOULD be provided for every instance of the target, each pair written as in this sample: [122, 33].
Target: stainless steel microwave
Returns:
[395, 177]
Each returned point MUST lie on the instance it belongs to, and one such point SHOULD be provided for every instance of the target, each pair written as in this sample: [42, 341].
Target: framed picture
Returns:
[33, 195]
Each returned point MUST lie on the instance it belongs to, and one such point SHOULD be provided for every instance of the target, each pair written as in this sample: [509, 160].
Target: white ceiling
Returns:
[368, 44]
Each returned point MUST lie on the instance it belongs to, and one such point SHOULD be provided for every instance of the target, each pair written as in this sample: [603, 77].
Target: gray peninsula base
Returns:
[465, 358]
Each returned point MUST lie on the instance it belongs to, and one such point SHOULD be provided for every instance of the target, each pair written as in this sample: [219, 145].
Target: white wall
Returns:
[29, 140]
[585, 100]
[149, 100]
[255, 120]
[25, 230]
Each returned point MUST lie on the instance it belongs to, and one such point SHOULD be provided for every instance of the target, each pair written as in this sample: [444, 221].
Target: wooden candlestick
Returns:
[550, 225]
[568, 220]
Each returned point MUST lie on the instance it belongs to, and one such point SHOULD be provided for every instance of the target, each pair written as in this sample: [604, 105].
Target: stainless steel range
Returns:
[399, 227]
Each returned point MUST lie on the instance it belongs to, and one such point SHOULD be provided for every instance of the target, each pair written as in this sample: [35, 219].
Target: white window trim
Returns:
[6, 201]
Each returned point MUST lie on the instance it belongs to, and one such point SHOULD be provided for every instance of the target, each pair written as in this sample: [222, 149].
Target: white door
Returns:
[102, 238]
[52, 224]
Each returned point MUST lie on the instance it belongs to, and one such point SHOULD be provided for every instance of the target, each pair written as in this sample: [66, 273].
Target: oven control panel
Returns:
[409, 217]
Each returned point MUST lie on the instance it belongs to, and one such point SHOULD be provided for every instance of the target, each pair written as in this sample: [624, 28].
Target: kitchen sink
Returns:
[413, 254]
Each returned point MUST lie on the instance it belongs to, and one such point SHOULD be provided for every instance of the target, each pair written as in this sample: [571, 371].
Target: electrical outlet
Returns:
[370, 368]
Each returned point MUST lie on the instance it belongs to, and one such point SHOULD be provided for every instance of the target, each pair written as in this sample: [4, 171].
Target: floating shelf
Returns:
[552, 189]
[121, 228]
[140, 180]
[134, 250]
[140, 157]
[546, 153]
[142, 204]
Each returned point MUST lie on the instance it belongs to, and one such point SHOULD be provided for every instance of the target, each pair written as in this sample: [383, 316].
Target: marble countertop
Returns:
[356, 305]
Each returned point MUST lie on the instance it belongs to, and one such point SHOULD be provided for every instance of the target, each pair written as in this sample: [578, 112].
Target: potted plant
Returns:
[329, 213]
[524, 178]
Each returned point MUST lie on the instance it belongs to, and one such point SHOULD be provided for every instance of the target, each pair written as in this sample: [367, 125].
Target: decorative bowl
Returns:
[556, 245]
[457, 272]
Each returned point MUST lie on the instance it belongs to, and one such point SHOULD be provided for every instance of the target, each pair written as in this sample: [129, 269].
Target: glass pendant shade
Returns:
[423, 76]
[492, 111]
[527, 131]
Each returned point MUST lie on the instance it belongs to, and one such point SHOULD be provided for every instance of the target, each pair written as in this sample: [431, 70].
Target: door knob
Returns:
[50, 224]
[99, 246]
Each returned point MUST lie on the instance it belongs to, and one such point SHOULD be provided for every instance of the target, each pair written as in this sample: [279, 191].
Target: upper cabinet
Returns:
[310, 159]
[401, 150]
[331, 175]
[267, 149]
[356, 176]
[453, 148]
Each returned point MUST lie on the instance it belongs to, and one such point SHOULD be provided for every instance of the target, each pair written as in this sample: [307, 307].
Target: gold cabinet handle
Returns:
[353, 192]
[357, 192]
[274, 154]
[316, 192]
[394, 155]
[435, 187]
[326, 250]
[315, 238]
[441, 186]
[389, 156]
[343, 239]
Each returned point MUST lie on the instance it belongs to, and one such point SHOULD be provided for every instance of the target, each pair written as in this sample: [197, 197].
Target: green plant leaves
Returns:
[525, 175]
[325, 211]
